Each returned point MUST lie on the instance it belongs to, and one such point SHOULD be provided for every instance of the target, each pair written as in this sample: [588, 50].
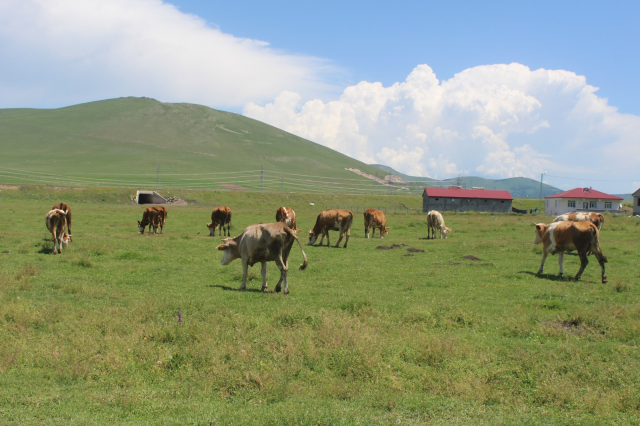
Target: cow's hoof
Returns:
[604, 280]
[560, 274]
[286, 292]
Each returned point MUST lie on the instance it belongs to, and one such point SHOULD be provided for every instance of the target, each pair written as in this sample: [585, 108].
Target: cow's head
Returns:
[540, 229]
[231, 251]
[140, 227]
[66, 239]
[212, 229]
[312, 238]
[446, 231]
[385, 230]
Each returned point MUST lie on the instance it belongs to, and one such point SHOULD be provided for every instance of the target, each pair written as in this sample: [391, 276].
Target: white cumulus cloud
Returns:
[62, 52]
[495, 121]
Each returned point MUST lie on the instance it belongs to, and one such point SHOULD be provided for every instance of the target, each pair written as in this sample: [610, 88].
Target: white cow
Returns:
[436, 221]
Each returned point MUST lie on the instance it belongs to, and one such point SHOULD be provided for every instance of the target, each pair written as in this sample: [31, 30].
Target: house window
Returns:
[585, 205]
[547, 203]
[593, 205]
[571, 203]
[437, 199]
[607, 204]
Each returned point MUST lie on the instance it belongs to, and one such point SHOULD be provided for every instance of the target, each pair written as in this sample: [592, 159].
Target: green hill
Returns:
[144, 142]
[519, 187]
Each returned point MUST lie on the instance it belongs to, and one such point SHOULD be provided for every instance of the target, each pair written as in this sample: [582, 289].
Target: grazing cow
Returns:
[288, 217]
[56, 222]
[596, 218]
[559, 237]
[332, 220]
[436, 221]
[162, 216]
[264, 242]
[65, 208]
[375, 219]
[149, 217]
[220, 216]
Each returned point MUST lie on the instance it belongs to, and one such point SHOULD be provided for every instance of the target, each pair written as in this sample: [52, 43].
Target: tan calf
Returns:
[559, 237]
[150, 218]
[220, 216]
[332, 220]
[375, 219]
[56, 222]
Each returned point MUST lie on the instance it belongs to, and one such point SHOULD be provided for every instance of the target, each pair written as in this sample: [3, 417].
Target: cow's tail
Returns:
[595, 244]
[304, 256]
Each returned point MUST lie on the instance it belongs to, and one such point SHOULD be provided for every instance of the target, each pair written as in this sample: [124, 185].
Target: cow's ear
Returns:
[221, 247]
[298, 230]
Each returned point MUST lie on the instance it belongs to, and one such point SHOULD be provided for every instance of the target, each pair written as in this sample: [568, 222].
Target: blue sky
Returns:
[495, 89]
[384, 40]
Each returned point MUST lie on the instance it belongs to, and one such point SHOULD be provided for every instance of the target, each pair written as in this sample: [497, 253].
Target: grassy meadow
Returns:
[456, 331]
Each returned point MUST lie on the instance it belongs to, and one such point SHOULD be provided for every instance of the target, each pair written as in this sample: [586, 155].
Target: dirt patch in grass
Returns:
[414, 250]
[573, 326]
[408, 255]
[394, 246]
[471, 257]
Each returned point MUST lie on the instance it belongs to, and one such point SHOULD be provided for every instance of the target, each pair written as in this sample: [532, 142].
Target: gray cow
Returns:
[264, 242]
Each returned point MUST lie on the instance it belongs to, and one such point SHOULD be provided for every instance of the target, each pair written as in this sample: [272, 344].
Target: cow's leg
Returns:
[325, 232]
[264, 276]
[381, 229]
[283, 276]
[584, 260]
[340, 238]
[544, 257]
[245, 272]
[348, 235]
[560, 261]
[601, 260]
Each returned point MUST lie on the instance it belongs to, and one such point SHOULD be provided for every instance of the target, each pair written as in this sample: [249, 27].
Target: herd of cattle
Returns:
[272, 242]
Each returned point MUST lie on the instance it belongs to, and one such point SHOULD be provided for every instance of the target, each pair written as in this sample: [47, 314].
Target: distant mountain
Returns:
[519, 187]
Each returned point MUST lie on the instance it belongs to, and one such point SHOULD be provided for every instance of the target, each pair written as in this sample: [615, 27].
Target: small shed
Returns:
[149, 197]
[455, 198]
[581, 200]
[636, 202]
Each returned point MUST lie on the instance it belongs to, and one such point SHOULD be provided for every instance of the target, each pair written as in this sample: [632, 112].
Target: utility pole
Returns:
[262, 178]
[540, 196]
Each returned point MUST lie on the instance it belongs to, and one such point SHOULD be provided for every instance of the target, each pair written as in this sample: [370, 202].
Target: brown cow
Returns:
[162, 216]
[149, 217]
[375, 219]
[559, 237]
[288, 217]
[436, 221]
[220, 216]
[264, 242]
[596, 218]
[56, 221]
[65, 208]
[332, 220]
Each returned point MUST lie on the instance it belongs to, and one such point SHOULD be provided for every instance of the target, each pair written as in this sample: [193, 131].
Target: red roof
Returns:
[584, 193]
[486, 194]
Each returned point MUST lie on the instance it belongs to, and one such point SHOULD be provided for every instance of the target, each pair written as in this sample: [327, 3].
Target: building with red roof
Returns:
[455, 198]
[581, 200]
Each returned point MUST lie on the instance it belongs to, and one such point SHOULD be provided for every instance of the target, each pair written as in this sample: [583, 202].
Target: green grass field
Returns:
[460, 331]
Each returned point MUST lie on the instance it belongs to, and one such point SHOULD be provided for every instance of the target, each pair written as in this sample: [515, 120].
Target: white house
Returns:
[581, 200]
[636, 202]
